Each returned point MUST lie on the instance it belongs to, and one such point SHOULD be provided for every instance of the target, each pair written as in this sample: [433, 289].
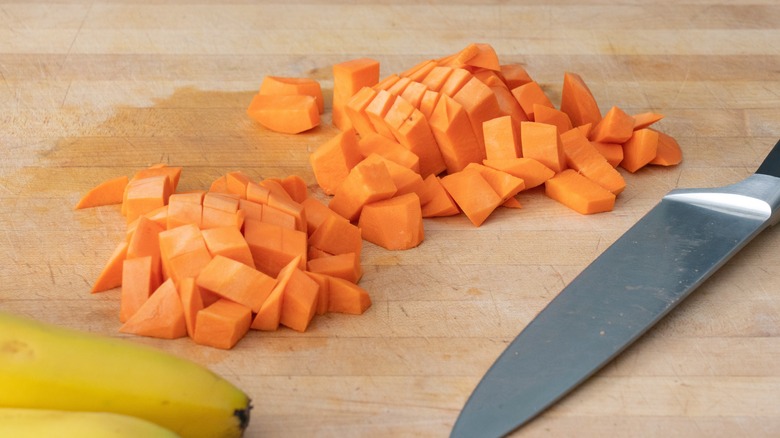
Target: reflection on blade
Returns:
[632, 285]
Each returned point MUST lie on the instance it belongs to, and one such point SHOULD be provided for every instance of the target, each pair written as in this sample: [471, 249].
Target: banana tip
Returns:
[243, 416]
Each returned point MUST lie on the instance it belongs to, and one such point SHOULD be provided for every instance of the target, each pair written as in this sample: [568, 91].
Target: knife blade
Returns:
[634, 283]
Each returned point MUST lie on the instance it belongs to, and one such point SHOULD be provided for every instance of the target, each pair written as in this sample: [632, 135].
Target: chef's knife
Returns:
[672, 250]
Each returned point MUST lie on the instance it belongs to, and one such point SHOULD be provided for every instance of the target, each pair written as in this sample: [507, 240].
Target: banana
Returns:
[36, 423]
[48, 367]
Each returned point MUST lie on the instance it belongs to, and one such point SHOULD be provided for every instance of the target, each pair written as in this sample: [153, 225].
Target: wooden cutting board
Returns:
[93, 90]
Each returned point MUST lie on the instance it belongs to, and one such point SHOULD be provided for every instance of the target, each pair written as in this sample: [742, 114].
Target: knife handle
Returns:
[771, 164]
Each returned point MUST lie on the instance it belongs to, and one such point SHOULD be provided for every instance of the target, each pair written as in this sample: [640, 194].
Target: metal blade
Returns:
[623, 293]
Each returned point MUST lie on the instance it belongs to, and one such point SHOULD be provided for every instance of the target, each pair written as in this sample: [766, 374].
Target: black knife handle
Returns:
[771, 164]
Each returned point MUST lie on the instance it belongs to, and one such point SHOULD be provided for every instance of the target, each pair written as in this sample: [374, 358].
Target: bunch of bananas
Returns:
[56, 382]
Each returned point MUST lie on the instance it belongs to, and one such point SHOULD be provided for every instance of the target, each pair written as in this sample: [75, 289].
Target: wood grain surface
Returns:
[96, 89]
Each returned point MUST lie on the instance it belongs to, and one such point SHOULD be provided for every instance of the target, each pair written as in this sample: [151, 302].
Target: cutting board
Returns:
[94, 90]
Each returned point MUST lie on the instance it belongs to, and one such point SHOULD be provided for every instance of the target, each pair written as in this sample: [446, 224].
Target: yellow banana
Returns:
[37, 423]
[49, 367]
